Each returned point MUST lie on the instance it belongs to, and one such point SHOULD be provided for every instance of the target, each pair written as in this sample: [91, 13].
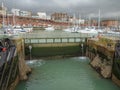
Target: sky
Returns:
[83, 8]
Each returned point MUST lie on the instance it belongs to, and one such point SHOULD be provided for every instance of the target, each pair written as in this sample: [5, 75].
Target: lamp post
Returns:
[30, 48]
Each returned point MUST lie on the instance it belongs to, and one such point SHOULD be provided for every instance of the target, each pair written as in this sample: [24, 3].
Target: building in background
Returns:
[110, 23]
[15, 12]
[3, 14]
[3, 10]
[60, 17]
[42, 15]
[25, 13]
[48, 17]
[18, 12]
[77, 21]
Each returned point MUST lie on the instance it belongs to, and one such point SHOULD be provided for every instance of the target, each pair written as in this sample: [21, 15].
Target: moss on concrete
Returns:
[54, 51]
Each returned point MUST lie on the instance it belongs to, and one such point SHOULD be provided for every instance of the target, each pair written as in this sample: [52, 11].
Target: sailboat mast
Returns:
[8, 20]
[89, 21]
[13, 19]
[99, 19]
[79, 20]
[3, 23]
[74, 19]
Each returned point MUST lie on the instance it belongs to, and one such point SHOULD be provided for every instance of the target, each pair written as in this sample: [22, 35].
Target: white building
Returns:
[77, 21]
[42, 15]
[81, 21]
[16, 12]
[48, 17]
[37, 17]
[25, 13]
[3, 10]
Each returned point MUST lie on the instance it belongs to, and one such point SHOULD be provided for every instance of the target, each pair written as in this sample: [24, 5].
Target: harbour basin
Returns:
[65, 74]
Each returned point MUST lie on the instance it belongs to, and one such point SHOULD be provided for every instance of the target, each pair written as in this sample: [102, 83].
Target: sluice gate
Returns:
[49, 47]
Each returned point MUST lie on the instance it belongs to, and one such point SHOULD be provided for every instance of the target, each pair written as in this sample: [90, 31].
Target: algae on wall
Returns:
[101, 53]
[54, 51]
[49, 50]
[105, 52]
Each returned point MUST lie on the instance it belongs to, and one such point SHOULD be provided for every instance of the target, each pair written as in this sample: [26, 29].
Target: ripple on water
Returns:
[35, 63]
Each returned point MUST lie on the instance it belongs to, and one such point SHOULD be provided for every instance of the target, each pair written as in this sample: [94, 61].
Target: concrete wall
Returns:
[23, 69]
[101, 53]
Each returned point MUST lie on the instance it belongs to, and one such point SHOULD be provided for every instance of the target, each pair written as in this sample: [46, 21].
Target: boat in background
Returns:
[75, 26]
[101, 31]
[88, 31]
[49, 28]
[18, 29]
[28, 29]
[74, 29]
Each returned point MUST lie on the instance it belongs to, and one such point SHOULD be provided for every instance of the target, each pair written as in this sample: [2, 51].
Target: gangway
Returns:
[7, 58]
[7, 50]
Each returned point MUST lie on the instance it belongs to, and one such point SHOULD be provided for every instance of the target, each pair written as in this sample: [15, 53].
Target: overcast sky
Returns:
[108, 8]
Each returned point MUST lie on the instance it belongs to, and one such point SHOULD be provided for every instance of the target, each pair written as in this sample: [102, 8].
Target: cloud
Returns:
[111, 14]
[84, 7]
[25, 3]
[68, 3]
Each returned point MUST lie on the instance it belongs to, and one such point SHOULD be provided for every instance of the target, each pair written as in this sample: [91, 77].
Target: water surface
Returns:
[65, 74]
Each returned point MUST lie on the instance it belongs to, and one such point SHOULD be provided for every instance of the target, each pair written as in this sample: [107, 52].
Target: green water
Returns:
[65, 74]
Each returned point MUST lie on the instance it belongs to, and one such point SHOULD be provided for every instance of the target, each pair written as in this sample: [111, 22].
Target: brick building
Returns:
[110, 23]
[60, 17]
